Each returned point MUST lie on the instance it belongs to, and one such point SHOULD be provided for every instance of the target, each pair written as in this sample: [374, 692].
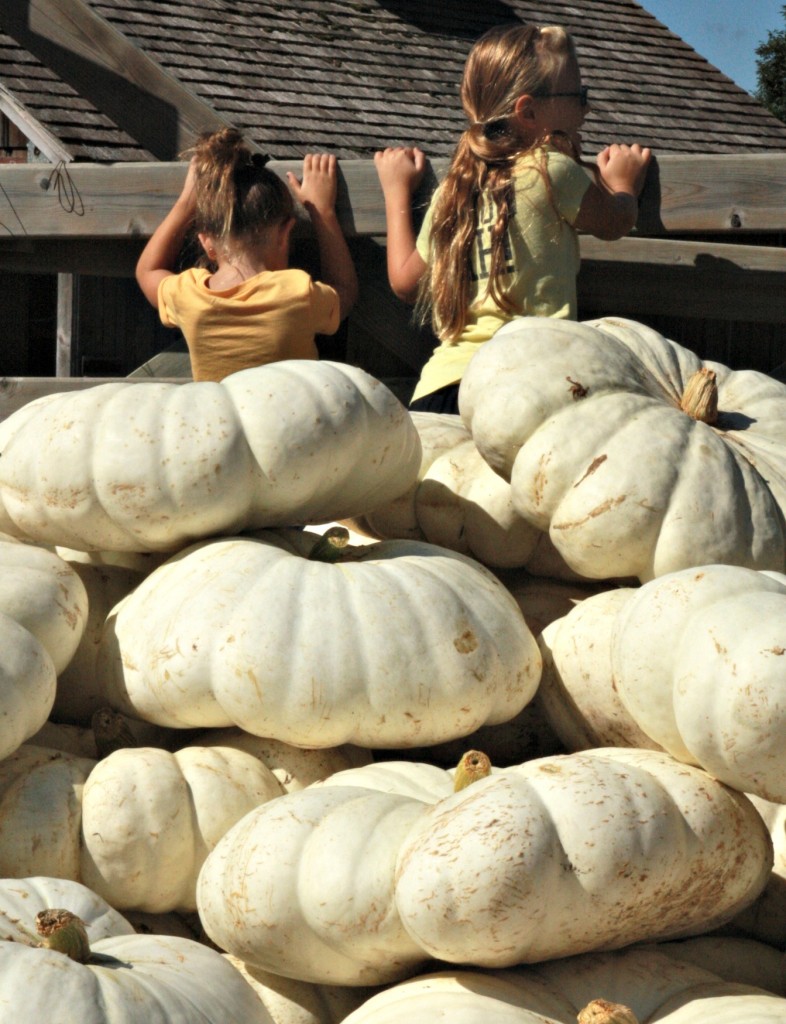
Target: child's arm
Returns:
[317, 192]
[159, 256]
[610, 207]
[400, 171]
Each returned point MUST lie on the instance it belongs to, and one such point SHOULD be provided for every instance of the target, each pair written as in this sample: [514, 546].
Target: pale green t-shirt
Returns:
[543, 260]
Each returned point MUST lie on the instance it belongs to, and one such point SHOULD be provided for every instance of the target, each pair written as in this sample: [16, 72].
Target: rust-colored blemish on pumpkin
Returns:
[605, 506]
[779, 651]
[598, 461]
[466, 643]
[117, 488]
[540, 479]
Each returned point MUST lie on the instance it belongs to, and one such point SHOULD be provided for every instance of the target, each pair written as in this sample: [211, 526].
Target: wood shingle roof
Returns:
[352, 76]
[83, 131]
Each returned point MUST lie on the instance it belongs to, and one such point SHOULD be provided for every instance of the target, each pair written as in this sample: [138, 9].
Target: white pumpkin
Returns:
[638, 986]
[294, 767]
[27, 684]
[149, 819]
[401, 644]
[459, 503]
[135, 827]
[153, 466]
[608, 833]
[359, 878]
[296, 1002]
[606, 445]
[740, 960]
[699, 660]
[45, 595]
[577, 691]
[122, 977]
[79, 690]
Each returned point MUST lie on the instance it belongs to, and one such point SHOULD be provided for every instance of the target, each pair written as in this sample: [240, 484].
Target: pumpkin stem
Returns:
[330, 545]
[700, 398]
[474, 765]
[64, 932]
[600, 1011]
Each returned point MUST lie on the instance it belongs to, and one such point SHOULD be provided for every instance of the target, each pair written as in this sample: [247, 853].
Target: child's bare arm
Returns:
[159, 256]
[317, 192]
[400, 171]
[610, 207]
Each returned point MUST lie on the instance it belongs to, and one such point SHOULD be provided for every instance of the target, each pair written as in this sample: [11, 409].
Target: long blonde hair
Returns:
[237, 197]
[506, 62]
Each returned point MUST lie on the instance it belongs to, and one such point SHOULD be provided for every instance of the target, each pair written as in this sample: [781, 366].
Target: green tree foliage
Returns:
[771, 65]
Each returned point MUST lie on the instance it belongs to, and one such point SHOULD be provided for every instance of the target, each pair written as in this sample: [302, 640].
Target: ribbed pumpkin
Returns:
[638, 458]
[135, 827]
[153, 466]
[397, 644]
[630, 987]
[88, 965]
[358, 879]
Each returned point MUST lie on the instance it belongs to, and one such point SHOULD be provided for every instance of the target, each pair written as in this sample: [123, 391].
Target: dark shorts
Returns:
[442, 400]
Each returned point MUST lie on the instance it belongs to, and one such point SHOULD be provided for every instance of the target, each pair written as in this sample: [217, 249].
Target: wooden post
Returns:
[66, 306]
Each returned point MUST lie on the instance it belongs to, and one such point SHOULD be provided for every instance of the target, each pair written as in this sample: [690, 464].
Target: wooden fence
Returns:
[708, 242]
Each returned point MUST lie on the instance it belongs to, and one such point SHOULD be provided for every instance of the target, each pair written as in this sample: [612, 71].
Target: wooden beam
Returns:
[48, 144]
[104, 66]
[18, 391]
[705, 280]
[728, 194]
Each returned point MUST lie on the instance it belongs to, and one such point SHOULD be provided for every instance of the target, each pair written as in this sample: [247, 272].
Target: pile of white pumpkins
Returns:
[229, 788]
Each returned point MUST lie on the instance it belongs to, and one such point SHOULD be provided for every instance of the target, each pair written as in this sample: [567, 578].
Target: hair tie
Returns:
[260, 159]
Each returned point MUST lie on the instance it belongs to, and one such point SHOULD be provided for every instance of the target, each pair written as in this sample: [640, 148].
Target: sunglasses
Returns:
[582, 95]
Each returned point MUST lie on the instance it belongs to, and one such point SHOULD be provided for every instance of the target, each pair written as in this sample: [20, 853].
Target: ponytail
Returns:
[505, 63]
[236, 195]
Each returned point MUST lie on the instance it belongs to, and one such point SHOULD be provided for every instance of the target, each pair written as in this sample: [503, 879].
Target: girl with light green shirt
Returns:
[500, 236]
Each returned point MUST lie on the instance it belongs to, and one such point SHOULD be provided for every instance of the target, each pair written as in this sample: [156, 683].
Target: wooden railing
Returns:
[94, 218]
[90, 218]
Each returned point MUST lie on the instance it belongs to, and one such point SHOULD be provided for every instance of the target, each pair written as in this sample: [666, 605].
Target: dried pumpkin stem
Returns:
[330, 545]
[63, 932]
[700, 398]
[473, 765]
[600, 1011]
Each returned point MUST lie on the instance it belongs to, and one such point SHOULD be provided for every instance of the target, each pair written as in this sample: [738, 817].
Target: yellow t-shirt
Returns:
[543, 260]
[271, 316]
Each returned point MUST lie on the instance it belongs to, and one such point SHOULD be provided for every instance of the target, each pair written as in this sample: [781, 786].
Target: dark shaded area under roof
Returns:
[353, 76]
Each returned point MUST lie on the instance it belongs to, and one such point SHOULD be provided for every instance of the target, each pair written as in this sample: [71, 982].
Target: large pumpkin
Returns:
[636, 457]
[110, 975]
[638, 986]
[401, 644]
[358, 879]
[152, 466]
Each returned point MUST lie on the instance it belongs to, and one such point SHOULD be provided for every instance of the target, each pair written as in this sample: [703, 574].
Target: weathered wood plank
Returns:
[18, 391]
[684, 194]
[706, 280]
[66, 303]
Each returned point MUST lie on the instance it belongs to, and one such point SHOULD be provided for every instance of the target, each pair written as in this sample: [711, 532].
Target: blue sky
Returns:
[726, 32]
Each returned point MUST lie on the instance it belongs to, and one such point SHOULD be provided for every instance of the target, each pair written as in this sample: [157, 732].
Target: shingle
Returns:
[355, 75]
